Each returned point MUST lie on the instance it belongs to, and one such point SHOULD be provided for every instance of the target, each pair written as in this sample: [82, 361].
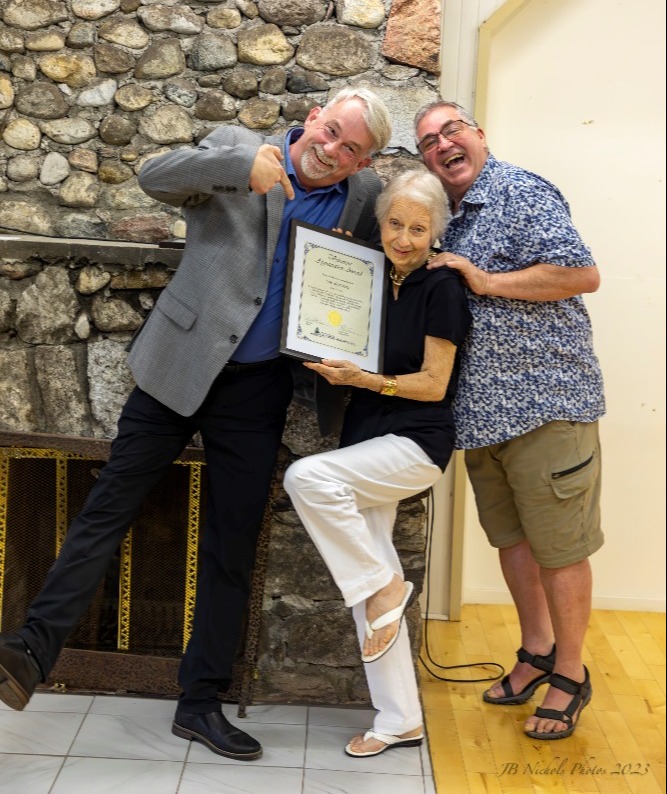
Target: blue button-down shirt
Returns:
[321, 207]
[524, 363]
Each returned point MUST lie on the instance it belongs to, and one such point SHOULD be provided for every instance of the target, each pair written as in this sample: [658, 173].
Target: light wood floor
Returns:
[618, 746]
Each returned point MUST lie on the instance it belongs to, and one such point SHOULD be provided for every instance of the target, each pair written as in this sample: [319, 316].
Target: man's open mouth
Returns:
[453, 160]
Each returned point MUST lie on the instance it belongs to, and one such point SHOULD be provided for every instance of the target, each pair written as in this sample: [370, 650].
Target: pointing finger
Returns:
[287, 185]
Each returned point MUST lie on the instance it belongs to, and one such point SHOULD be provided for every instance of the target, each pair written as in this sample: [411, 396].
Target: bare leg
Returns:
[522, 575]
[569, 592]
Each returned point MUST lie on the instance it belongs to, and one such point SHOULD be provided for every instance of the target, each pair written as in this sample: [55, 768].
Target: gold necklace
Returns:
[397, 278]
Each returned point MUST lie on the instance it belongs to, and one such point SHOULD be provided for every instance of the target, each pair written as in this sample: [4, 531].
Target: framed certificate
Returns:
[334, 298]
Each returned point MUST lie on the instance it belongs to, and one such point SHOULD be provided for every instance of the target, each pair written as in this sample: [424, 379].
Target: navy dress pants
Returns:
[241, 424]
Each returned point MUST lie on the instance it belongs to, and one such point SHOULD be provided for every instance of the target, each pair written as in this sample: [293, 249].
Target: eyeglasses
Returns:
[348, 151]
[449, 130]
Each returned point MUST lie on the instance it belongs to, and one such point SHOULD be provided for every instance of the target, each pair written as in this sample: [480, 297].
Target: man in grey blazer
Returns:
[207, 359]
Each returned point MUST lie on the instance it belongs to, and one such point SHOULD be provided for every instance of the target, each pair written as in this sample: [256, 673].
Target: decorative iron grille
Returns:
[134, 631]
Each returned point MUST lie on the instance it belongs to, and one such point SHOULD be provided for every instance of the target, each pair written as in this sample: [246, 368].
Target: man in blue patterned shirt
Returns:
[529, 398]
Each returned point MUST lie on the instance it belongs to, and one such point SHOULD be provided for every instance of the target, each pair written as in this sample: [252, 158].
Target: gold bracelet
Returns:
[389, 387]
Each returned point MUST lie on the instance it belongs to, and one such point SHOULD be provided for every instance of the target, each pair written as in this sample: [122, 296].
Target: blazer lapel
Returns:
[356, 198]
[275, 202]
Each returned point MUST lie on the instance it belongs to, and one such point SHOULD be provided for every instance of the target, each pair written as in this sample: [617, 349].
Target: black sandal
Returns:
[581, 697]
[545, 663]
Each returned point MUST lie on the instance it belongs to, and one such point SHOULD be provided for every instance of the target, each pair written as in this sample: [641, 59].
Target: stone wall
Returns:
[67, 310]
[91, 88]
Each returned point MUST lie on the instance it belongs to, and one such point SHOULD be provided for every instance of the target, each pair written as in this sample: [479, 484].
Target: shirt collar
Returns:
[477, 193]
[292, 136]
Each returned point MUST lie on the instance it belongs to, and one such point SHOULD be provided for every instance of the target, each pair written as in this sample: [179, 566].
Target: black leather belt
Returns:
[234, 367]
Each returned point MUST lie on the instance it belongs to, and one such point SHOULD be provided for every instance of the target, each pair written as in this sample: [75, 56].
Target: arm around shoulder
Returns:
[543, 282]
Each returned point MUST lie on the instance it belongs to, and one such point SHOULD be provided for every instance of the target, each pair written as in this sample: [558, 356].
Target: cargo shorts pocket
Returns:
[575, 480]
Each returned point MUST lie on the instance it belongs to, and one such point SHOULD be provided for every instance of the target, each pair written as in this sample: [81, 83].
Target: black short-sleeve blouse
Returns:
[429, 303]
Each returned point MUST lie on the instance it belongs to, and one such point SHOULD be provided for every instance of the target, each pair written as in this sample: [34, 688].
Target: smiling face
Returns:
[457, 162]
[406, 234]
[336, 143]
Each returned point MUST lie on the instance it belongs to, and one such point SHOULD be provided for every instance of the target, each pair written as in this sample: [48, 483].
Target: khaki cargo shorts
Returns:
[544, 487]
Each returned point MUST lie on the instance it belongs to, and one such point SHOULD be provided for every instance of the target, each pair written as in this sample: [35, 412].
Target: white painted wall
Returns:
[576, 93]
[460, 22]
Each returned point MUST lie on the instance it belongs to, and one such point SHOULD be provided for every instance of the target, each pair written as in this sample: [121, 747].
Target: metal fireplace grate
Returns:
[139, 621]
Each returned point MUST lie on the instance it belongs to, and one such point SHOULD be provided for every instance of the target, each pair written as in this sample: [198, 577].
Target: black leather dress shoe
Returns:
[19, 672]
[217, 733]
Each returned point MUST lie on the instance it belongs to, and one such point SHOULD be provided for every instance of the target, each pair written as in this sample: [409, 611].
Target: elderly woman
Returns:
[397, 439]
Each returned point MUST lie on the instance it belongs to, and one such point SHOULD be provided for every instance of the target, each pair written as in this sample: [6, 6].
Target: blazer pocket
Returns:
[176, 311]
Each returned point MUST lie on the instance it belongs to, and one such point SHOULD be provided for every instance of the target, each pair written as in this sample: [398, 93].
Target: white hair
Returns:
[424, 188]
[376, 113]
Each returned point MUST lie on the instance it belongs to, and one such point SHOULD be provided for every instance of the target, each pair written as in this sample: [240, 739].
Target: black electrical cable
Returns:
[429, 541]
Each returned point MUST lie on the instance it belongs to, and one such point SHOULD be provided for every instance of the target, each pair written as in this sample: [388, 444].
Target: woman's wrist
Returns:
[389, 386]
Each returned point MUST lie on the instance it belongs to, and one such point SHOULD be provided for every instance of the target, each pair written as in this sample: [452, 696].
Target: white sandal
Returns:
[388, 740]
[384, 620]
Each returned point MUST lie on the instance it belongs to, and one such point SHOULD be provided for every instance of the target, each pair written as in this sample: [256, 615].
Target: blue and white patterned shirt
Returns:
[525, 363]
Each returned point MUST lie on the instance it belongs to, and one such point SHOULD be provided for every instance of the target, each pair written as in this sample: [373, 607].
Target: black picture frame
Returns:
[334, 298]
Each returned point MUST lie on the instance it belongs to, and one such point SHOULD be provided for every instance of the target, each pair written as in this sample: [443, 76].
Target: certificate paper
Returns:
[334, 298]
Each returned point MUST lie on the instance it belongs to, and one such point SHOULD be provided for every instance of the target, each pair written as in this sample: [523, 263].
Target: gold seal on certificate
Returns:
[334, 298]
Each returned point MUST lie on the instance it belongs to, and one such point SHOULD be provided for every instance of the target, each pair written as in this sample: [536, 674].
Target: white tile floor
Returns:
[81, 744]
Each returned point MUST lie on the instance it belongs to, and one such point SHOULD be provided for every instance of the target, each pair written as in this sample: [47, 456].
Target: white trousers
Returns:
[347, 500]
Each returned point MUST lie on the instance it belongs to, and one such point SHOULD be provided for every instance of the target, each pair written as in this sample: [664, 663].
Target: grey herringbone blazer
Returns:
[220, 284]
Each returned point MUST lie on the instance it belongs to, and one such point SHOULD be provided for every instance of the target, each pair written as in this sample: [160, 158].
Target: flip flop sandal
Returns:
[581, 692]
[545, 663]
[384, 620]
[388, 740]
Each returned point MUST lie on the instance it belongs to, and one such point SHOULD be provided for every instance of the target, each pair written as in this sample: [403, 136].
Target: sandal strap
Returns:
[566, 684]
[385, 738]
[507, 687]
[394, 614]
[580, 691]
[553, 714]
[570, 686]
[545, 663]
[386, 619]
